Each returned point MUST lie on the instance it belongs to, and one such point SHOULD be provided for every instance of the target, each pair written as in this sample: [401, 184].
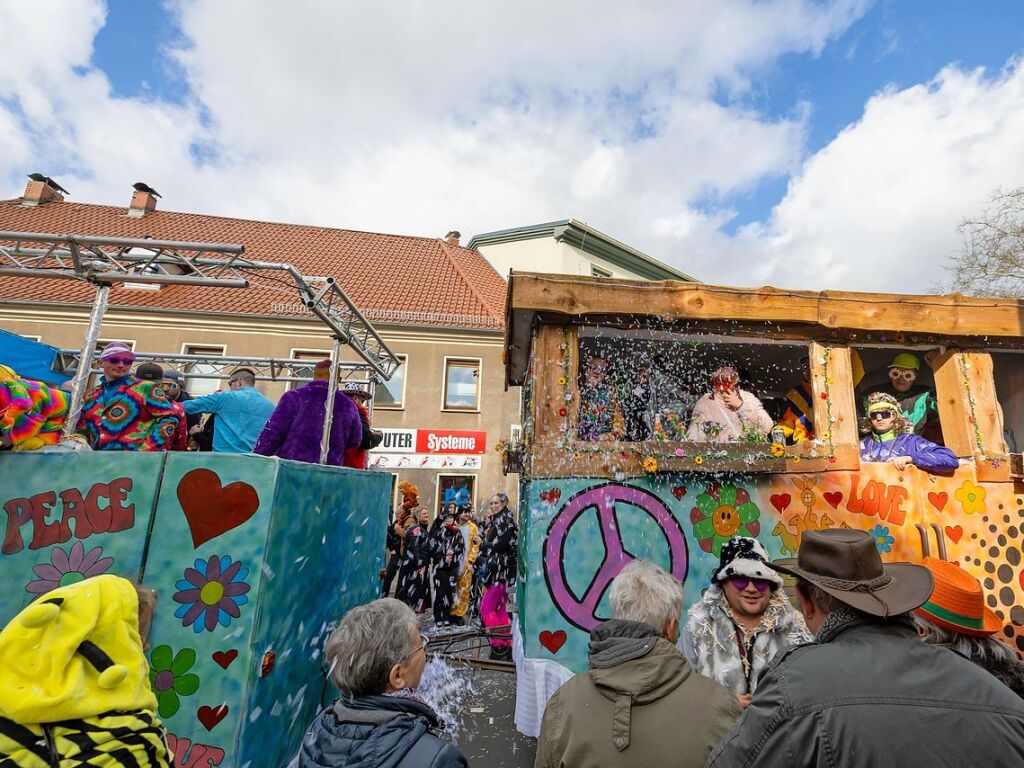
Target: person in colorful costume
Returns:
[601, 416]
[797, 420]
[31, 413]
[471, 539]
[123, 413]
[357, 457]
[917, 401]
[173, 429]
[890, 439]
[76, 688]
[296, 426]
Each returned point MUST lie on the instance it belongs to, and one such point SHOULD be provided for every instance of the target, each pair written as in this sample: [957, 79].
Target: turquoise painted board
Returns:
[69, 516]
[206, 564]
[324, 553]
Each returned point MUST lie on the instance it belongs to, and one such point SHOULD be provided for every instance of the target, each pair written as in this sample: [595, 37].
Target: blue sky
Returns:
[732, 139]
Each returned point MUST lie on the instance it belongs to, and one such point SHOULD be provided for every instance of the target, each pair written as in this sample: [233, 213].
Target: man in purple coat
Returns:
[890, 439]
[297, 423]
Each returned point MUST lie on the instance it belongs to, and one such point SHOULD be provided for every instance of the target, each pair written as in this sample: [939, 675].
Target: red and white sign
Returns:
[449, 441]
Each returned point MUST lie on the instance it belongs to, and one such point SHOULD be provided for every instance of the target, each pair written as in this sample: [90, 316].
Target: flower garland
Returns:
[650, 460]
[973, 418]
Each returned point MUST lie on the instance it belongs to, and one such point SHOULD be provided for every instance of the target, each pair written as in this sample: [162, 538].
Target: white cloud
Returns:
[421, 117]
[877, 208]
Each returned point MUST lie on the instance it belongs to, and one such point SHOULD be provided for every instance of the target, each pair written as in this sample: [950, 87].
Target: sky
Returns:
[817, 144]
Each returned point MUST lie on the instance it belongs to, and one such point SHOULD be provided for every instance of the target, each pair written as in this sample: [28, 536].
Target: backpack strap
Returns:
[423, 752]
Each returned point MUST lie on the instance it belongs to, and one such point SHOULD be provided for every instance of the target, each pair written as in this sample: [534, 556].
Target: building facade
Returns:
[438, 306]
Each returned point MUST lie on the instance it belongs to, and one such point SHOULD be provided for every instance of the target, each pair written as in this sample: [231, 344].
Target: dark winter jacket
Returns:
[296, 426]
[497, 561]
[924, 453]
[377, 732]
[868, 692]
[640, 705]
[442, 540]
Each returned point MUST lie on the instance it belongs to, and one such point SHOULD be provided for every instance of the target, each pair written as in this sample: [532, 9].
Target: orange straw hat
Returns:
[957, 602]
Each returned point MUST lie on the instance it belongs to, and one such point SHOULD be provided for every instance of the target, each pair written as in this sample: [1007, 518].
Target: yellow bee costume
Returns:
[74, 682]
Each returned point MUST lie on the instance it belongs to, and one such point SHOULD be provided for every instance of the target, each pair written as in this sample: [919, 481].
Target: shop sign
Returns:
[450, 441]
[397, 441]
[424, 461]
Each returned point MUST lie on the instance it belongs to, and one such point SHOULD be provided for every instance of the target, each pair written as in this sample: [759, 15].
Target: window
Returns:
[649, 384]
[202, 378]
[1008, 372]
[460, 489]
[912, 384]
[461, 384]
[391, 393]
[314, 356]
[596, 271]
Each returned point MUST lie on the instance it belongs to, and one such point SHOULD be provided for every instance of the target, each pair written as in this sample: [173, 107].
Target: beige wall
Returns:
[425, 349]
[545, 254]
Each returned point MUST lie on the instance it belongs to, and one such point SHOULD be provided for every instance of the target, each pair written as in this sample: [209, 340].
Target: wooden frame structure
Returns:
[545, 313]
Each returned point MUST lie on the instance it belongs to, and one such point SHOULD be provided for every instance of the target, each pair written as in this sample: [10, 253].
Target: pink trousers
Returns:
[493, 613]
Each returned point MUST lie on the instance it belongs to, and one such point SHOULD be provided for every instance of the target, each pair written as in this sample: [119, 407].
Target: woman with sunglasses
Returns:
[889, 438]
[742, 621]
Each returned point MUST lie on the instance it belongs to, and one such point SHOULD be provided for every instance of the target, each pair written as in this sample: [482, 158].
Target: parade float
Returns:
[590, 505]
[253, 559]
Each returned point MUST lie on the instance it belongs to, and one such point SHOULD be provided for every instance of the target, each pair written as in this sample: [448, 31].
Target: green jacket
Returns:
[639, 705]
[870, 693]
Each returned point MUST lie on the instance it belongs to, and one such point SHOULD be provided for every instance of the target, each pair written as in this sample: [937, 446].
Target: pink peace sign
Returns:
[582, 612]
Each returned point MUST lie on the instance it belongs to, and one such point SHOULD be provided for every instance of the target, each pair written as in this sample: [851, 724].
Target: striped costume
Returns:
[471, 536]
[128, 415]
[31, 413]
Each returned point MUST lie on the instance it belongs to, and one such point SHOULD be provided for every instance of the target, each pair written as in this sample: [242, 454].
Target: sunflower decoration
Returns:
[721, 512]
[778, 449]
[650, 464]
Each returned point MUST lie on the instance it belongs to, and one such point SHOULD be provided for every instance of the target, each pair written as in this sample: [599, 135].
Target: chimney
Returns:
[143, 200]
[453, 237]
[41, 190]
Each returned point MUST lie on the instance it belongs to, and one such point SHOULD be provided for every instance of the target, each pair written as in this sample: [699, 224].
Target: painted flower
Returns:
[882, 538]
[68, 568]
[721, 512]
[650, 464]
[971, 496]
[170, 678]
[698, 460]
[778, 449]
[211, 593]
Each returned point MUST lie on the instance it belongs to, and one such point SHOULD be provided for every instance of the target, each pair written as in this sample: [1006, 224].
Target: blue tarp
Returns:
[30, 359]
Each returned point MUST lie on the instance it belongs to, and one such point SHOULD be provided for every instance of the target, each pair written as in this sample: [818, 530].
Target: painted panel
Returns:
[324, 553]
[69, 516]
[580, 532]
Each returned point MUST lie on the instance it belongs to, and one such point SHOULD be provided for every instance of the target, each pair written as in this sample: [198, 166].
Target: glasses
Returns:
[898, 374]
[120, 360]
[881, 415]
[424, 642]
[741, 583]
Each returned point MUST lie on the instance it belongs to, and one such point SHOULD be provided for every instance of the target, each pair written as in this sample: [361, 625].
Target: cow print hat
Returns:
[743, 556]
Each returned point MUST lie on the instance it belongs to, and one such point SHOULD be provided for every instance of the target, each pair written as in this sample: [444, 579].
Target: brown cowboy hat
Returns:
[845, 563]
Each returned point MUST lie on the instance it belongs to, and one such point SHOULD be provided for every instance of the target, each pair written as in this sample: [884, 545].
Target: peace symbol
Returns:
[582, 612]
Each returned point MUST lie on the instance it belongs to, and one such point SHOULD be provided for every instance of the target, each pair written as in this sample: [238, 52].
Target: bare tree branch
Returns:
[990, 261]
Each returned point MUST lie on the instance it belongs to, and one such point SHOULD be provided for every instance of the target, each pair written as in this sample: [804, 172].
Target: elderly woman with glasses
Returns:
[889, 438]
[742, 621]
[376, 657]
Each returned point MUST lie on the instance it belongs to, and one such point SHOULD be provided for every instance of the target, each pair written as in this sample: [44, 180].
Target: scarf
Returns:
[712, 639]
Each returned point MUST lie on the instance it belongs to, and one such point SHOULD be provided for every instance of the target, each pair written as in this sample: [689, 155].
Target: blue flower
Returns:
[882, 538]
[211, 593]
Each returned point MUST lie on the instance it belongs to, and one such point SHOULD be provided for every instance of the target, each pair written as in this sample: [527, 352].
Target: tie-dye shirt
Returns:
[31, 413]
[128, 415]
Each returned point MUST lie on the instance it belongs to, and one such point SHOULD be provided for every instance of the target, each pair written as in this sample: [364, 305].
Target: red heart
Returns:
[212, 510]
[780, 501]
[938, 500]
[224, 658]
[552, 496]
[679, 491]
[954, 531]
[210, 717]
[553, 640]
[833, 498]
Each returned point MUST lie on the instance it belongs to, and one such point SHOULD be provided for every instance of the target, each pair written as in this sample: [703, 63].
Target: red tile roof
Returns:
[391, 278]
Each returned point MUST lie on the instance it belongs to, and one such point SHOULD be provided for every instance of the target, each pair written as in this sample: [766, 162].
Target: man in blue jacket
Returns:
[890, 439]
[241, 413]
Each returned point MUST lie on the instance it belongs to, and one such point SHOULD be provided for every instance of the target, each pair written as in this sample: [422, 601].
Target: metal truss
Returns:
[221, 367]
[105, 261]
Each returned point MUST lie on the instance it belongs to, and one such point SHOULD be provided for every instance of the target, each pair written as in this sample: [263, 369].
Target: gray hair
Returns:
[979, 649]
[646, 593]
[370, 640]
[819, 598]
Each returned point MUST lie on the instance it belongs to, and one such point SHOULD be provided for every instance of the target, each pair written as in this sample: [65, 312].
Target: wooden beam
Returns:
[944, 316]
[841, 402]
[959, 378]
[549, 393]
